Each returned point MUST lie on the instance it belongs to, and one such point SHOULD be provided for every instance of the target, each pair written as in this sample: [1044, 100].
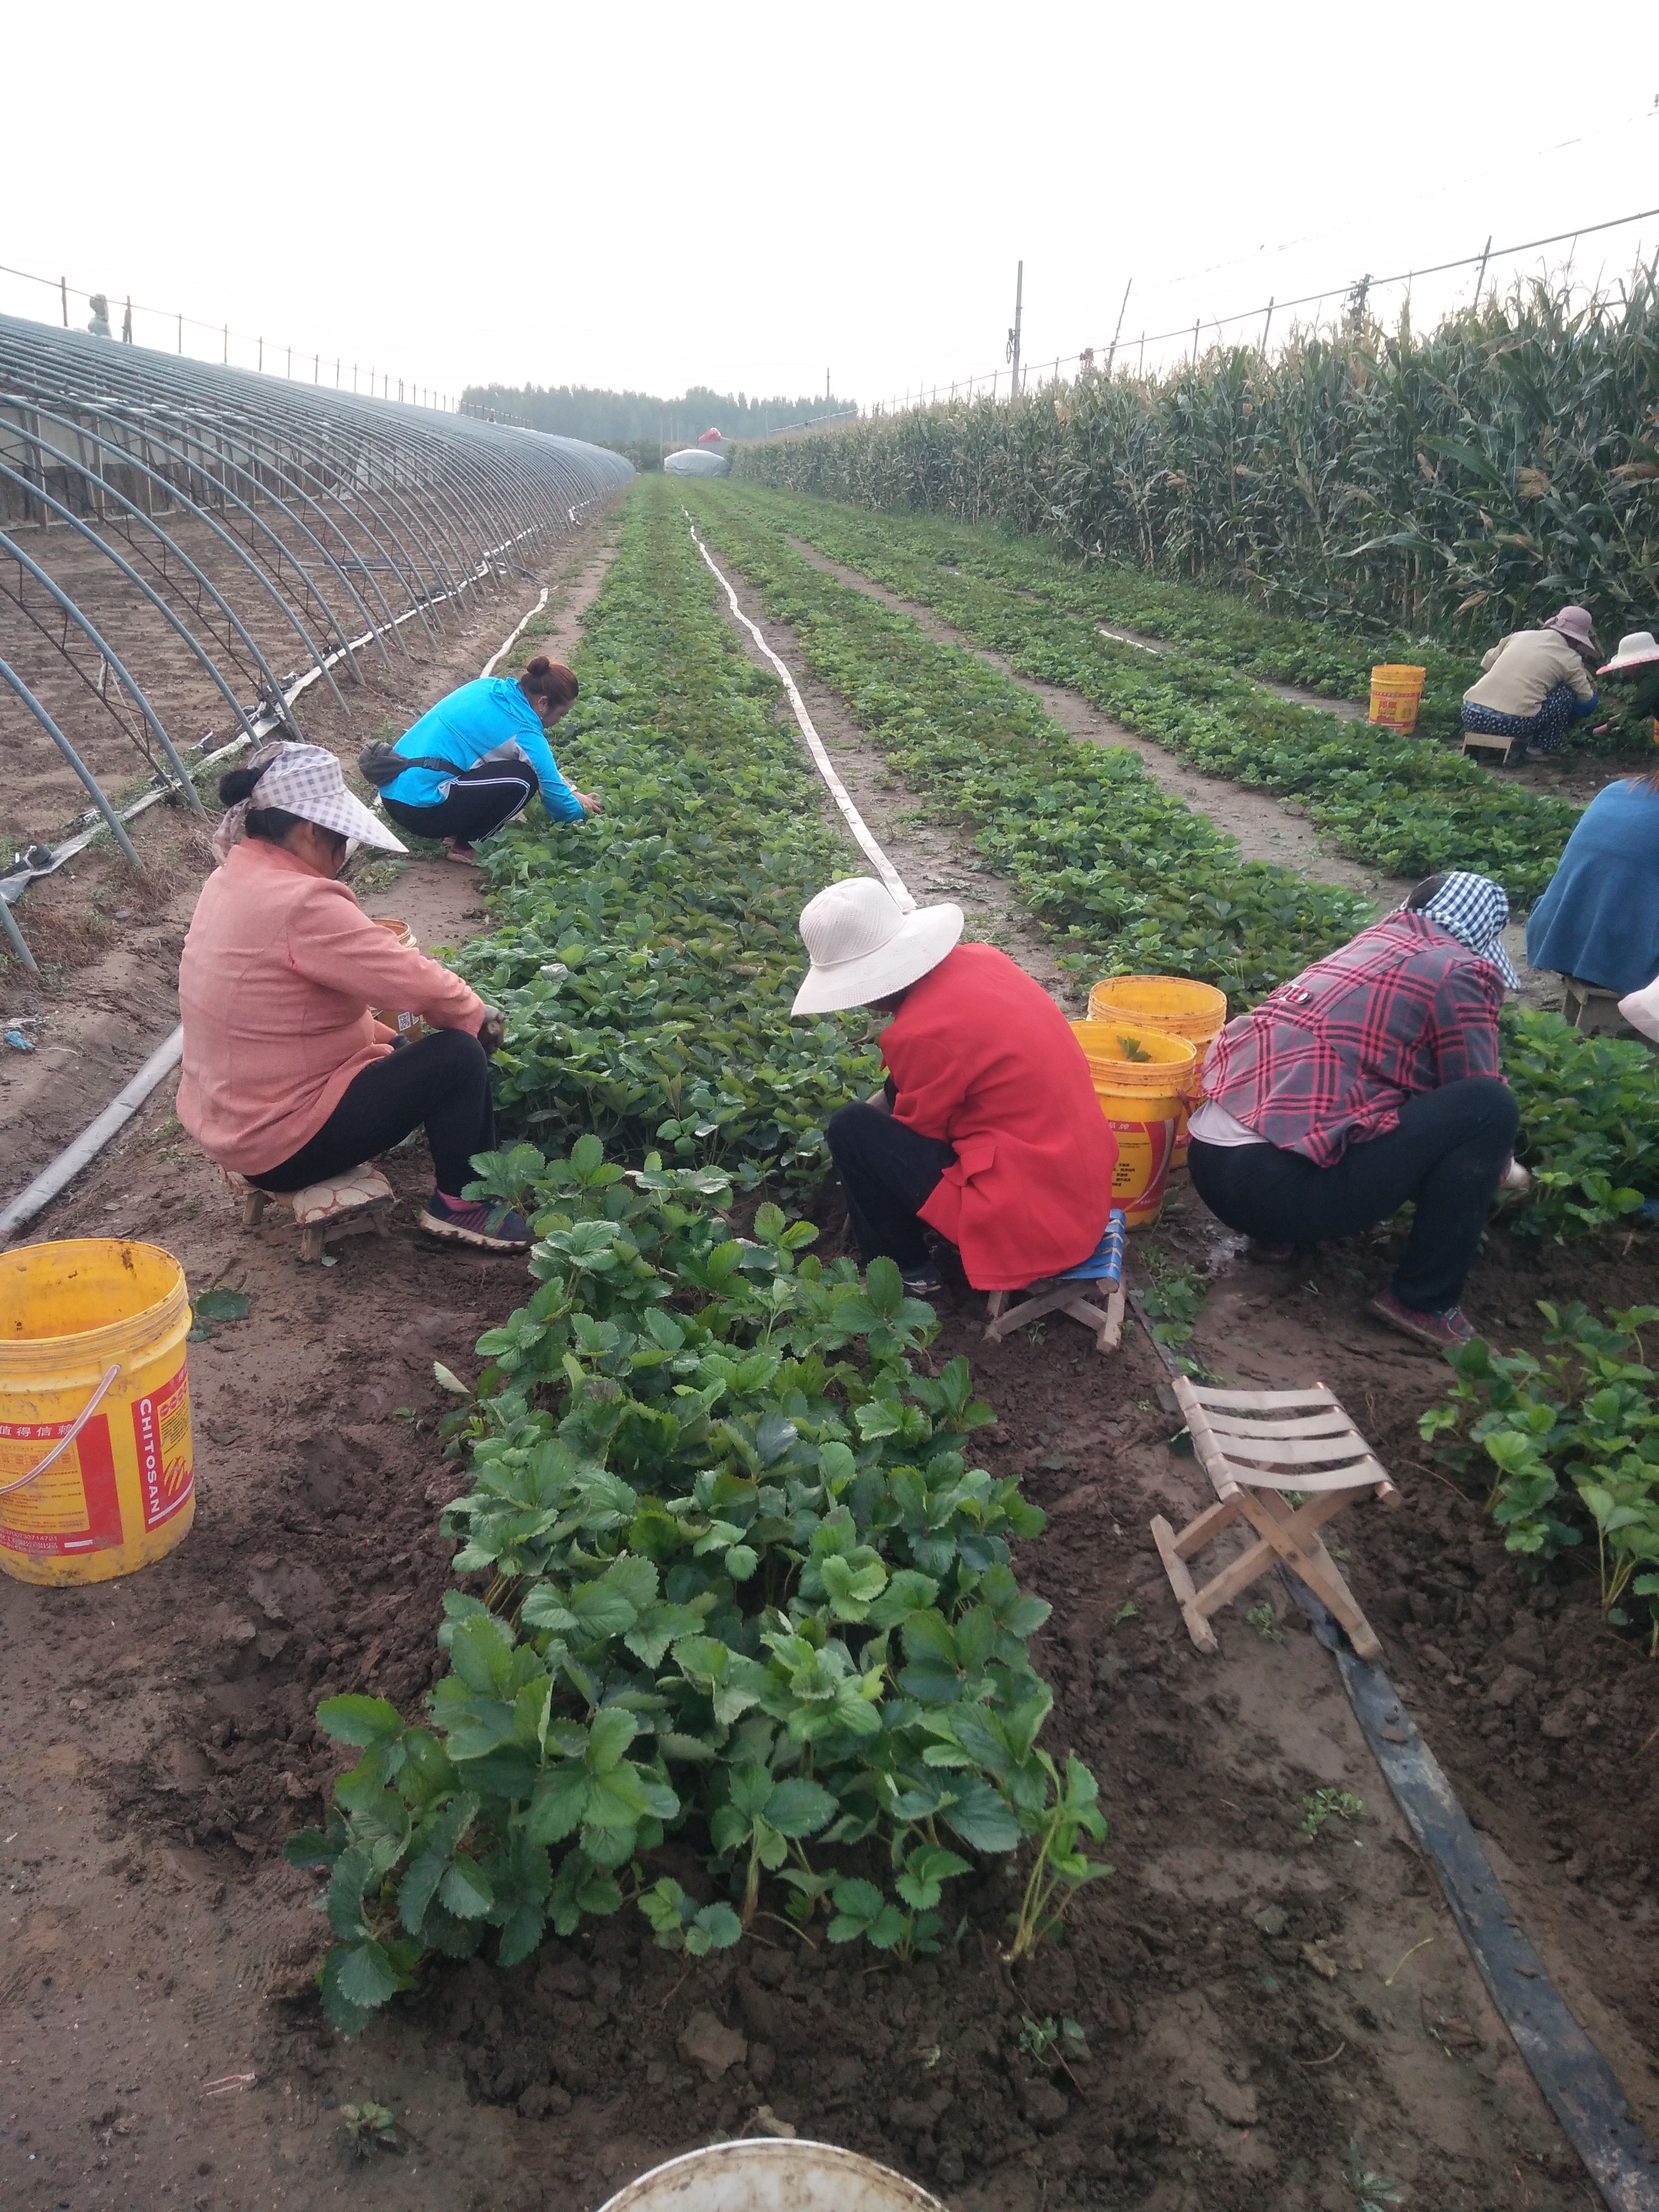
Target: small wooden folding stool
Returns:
[1066, 1293]
[1254, 1445]
[1593, 1011]
[350, 1204]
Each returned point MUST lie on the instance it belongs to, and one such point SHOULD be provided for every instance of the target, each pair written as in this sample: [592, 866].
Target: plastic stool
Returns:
[1065, 1293]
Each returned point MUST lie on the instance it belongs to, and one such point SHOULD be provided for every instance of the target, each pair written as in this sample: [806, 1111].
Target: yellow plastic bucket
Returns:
[97, 1472]
[1172, 1006]
[1396, 694]
[1140, 1080]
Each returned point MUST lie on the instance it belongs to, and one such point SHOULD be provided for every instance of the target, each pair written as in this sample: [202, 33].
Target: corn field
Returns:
[1462, 483]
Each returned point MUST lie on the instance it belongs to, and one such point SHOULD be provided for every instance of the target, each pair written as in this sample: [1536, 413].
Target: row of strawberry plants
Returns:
[732, 1586]
[1406, 805]
[1566, 1444]
[1209, 624]
[646, 960]
[1143, 883]
[1128, 877]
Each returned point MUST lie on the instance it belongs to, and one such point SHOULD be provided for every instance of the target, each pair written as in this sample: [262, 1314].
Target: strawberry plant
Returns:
[1574, 1439]
[1131, 879]
[1589, 1124]
[646, 961]
[1408, 805]
[734, 1580]
[1205, 624]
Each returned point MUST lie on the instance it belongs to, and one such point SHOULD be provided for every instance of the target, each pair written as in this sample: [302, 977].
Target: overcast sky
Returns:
[628, 194]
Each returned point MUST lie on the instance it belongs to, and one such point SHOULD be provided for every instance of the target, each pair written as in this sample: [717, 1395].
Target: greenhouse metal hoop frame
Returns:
[350, 517]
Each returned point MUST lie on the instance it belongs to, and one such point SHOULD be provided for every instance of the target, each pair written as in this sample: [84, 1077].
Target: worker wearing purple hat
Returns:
[1535, 683]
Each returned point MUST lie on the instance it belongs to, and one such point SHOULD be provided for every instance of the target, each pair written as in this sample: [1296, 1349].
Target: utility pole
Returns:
[1011, 352]
[1122, 307]
[1485, 254]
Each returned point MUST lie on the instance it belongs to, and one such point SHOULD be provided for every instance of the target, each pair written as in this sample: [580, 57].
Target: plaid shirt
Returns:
[1330, 1058]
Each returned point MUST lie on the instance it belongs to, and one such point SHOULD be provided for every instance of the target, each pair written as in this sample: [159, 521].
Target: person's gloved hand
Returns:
[492, 1029]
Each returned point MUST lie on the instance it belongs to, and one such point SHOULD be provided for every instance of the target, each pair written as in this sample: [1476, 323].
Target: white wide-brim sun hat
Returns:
[864, 947]
[1635, 651]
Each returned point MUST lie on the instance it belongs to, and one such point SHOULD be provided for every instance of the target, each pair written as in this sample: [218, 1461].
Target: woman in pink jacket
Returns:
[288, 1078]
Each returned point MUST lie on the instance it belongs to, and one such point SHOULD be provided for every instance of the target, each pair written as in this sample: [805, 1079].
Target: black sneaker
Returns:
[923, 1282]
[468, 1222]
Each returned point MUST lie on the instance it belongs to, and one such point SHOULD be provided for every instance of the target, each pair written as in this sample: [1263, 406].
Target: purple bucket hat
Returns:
[1574, 622]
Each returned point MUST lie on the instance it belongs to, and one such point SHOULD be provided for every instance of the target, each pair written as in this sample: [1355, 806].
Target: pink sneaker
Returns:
[1444, 1331]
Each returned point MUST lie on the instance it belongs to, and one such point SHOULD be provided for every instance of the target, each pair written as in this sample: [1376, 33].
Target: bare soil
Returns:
[1256, 1999]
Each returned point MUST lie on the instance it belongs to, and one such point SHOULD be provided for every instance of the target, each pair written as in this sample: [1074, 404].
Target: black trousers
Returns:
[1446, 1154]
[442, 1079]
[479, 801]
[888, 1172]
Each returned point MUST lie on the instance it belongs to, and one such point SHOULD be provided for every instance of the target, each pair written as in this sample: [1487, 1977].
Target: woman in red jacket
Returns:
[988, 1130]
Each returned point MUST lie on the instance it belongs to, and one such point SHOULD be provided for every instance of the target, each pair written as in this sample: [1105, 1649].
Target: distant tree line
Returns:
[630, 419]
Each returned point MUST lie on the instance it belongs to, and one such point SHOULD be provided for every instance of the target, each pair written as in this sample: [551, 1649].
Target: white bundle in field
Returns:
[697, 461]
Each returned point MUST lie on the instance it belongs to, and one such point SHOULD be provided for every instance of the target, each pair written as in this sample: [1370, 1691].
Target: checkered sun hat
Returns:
[306, 781]
[1475, 911]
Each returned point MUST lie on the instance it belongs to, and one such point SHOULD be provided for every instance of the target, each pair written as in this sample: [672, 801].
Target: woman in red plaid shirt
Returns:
[1371, 1079]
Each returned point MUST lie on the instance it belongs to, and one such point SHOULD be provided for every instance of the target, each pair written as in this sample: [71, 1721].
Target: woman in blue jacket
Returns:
[480, 754]
[1599, 919]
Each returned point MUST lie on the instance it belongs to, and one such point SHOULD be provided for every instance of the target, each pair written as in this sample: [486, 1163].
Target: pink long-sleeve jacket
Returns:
[279, 970]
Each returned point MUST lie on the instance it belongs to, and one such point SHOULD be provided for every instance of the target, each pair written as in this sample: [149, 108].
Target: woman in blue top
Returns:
[1599, 919]
[490, 738]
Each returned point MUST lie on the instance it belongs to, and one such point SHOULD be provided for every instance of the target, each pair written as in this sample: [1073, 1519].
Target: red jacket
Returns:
[982, 1057]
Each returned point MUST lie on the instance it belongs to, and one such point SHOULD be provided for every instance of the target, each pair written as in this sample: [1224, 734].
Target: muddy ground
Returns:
[1255, 2000]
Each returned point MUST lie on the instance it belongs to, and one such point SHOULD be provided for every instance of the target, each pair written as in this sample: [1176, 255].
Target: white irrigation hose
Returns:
[94, 1138]
[838, 791]
[166, 1056]
[502, 651]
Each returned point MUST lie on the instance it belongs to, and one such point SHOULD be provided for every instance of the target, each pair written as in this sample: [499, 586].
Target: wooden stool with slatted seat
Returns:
[1254, 1445]
[1068, 1293]
[351, 1205]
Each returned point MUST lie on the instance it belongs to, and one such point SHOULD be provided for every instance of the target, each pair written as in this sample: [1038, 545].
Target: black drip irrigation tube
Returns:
[1579, 2086]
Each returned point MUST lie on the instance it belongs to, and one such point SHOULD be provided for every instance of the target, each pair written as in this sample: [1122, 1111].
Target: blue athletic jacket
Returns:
[487, 719]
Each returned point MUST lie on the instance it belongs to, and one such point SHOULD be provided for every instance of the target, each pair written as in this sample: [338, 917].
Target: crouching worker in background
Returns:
[288, 1078]
[1369, 1080]
[475, 760]
[988, 1130]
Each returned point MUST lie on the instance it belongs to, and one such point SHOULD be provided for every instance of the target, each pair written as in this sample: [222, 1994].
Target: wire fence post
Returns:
[1123, 306]
[1266, 327]
[182, 333]
[1485, 252]
[225, 357]
[63, 286]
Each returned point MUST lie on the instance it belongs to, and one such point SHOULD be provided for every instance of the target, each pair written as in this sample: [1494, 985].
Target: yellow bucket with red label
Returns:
[97, 1468]
[1174, 1005]
[1141, 1080]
